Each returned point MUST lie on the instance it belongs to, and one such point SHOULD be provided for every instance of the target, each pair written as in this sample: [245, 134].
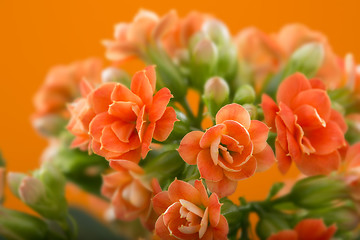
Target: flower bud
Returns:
[307, 60]
[113, 74]
[216, 94]
[49, 125]
[2, 183]
[43, 192]
[318, 192]
[245, 94]
[21, 226]
[205, 52]
[217, 31]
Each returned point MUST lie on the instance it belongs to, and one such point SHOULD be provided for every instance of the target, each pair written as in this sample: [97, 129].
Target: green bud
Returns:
[346, 218]
[113, 74]
[14, 180]
[205, 52]
[245, 94]
[49, 125]
[307, 60]
[216, 94]
[217, 31]
[21, 226]
[318, 192]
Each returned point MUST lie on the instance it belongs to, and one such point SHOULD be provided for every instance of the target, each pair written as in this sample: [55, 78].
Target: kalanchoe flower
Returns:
[259, 56]
[61, 87]
[188, 213]
[308, 229]
[309, 132]
[127, 120]
[130, 193]
[293, 36]
[132, 39]
[81, 116]
[231, 150]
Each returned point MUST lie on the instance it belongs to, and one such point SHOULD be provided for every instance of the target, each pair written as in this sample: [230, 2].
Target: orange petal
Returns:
[123, 111]
[284, 161]
[161, 202]
[98, 123]
[317, 83]
[353, 156]
[189, 147]
[132, 155]
[308, 117]
[314, 229]
[207, 168]
[145, 147]
[165, 125]
[327, 139]
[234, 112]
[172, 212]
[214, 210]
[161, 230]
[124, 165]
[165, 25]
[247, 170]
[316, 98]
[284, 235]
[203, 194]
[258, 133]
[183, 190]
[291, 87]
[122, 94]
[221, 230]
[339, 119]
[319, 164]
[270, 109]
[85, 88]
[174, 226]
[238, 132]
[141, 124]
[223, 188]
[211, 135]
[265, 159]
[123, 130]
[151, 75]
[160, 101]
[111, 142]
[100, 98]
[141, 86]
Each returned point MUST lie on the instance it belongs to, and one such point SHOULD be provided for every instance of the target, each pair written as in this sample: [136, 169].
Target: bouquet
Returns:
[165, 147]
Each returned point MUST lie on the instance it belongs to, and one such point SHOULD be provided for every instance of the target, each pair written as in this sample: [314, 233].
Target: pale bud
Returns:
[216, 94]
[245, 94]
[205, 51]
[217, 31]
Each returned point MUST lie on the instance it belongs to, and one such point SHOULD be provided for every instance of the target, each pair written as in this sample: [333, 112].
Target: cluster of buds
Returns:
[260, 100]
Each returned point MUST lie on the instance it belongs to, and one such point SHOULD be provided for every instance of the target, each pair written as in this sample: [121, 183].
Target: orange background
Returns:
[38, 34]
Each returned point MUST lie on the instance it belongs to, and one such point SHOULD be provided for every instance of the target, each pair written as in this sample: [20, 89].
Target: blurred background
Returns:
[36, 35]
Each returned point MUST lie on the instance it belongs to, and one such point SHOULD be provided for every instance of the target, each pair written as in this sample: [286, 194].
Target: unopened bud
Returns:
[31, 190]
[318, 192]
[245, 94]
[216, 94]
[113, 74]
[307, 60]
[205, 52]
[217, 31]
[271, 223]
[14, 180]
[49, 125]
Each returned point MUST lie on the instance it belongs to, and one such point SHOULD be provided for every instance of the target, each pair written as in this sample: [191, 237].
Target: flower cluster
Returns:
[158, 154]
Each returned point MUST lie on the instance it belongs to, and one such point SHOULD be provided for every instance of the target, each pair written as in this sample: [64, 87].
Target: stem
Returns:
[199, 116]
[188, 110]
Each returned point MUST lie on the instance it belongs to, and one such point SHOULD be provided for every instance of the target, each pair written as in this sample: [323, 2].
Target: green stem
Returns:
[199, 116]
[188, 110]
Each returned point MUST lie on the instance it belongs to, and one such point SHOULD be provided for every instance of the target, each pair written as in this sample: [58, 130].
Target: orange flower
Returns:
[293, 36]
[127, 120]
[260, 53]
[309, 132]
[351, 74]
[307, 229]
[131, 39]
[231, 150]
[62, 86]
[81, 116]
[186, 212]
[130, 194]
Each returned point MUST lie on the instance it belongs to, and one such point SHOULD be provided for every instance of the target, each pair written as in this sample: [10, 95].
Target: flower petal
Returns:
[98, 123]
[124, 165]
[165, 125]
[122, 94]
[319, 164]
[247, 170]
[211, 135]
[214, 210]
[183, 190]
[270, 109]
[100, 98]
[258, 133]
[291, 87]
[162, 231]
[221, 230]
[234, 112]
[284, 160]
[141, 86]
[160, 101]
[265, 159]
[161, 202]
[207, 168]
[123, 130]
[189, 147]
[124, 111]
[223, 188]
